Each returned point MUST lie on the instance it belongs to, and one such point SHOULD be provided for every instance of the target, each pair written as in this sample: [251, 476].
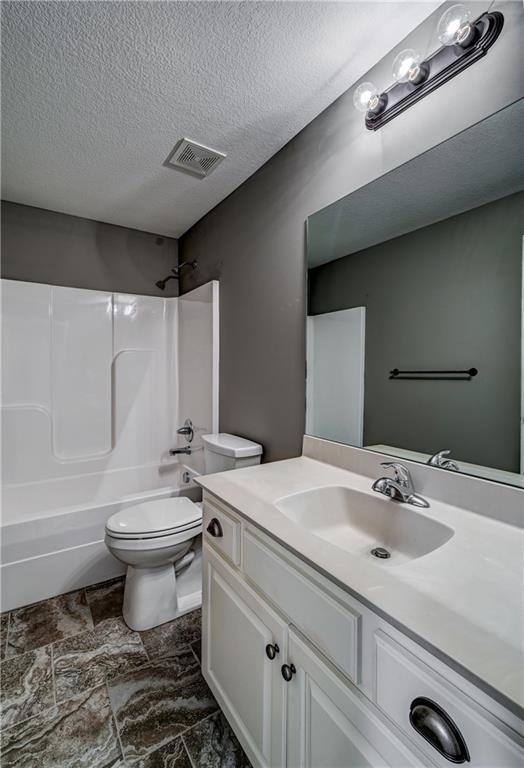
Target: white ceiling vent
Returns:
[194, 158]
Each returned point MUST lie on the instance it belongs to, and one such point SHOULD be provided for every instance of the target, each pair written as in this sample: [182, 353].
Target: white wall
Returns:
[90, 389]
[198, 364]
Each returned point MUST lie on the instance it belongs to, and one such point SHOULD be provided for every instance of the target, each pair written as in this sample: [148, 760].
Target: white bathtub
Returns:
[51, 545]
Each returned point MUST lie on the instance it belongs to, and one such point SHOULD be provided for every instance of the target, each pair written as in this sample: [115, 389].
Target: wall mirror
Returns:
[415, 307]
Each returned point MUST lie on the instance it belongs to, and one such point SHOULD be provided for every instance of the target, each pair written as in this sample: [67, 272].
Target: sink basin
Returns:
[360, 522]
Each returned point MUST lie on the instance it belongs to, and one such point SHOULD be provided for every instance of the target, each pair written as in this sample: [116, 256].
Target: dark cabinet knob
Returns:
[437, 727]
[272, 650]
[214, 528]
[288, 670]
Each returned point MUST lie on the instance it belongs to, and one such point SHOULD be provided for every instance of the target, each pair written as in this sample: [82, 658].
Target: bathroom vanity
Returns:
[322, 655]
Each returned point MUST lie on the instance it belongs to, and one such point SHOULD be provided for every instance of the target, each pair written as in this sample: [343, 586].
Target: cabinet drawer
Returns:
[401, 678]
[222, 530]
[334, 628]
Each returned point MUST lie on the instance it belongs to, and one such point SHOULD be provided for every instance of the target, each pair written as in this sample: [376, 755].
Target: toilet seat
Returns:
[158, 519]
[151, 543]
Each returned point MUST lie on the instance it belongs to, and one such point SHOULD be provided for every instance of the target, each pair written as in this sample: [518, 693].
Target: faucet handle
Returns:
[187, 430]
[400, 472]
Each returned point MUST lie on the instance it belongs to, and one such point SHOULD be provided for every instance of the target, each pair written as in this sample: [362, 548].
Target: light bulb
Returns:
[365, 97]
[454, 27]
[405, 65]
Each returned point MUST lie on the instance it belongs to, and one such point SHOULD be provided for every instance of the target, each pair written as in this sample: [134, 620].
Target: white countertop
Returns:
[463, 600]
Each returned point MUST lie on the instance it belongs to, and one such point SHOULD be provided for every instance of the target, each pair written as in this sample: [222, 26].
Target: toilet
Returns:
[158, 541]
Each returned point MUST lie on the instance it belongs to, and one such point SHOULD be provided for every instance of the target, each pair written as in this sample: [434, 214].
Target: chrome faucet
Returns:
[400, 486]
[187, 430]
[439, 460]
[186, 449]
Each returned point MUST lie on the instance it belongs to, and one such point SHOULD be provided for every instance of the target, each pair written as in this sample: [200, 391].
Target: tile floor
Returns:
[79, 689]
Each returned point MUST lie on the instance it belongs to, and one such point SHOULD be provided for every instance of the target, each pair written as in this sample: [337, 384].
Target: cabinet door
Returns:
[238, 627]
[329, 723]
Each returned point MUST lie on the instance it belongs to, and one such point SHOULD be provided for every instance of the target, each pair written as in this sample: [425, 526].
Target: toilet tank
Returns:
[223, 452]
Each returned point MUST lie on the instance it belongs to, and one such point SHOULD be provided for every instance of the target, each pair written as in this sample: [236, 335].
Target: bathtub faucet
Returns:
[175, 451]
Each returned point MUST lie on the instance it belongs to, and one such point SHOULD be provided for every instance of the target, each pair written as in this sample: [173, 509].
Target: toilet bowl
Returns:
[154, 540]
[157, 541]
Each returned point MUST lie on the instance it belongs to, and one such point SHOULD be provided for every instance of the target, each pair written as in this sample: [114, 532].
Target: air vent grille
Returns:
[194, 158]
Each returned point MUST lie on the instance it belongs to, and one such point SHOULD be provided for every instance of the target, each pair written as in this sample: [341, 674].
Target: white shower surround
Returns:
[94, 385]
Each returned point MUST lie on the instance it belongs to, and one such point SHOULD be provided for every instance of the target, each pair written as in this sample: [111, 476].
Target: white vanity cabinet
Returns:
[309, 677]
[243, 642]
[330, 723]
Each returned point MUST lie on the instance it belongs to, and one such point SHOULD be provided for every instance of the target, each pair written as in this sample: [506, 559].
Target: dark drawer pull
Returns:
[215, 529]
[272, 650]
[288, 670]
[437, 727]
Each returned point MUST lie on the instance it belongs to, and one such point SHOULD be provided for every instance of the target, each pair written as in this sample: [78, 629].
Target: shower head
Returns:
[176, 270]
[176, 274]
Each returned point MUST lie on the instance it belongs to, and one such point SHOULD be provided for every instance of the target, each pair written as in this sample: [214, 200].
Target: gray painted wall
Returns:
[445, 296]
[254, 241]
[42, 246]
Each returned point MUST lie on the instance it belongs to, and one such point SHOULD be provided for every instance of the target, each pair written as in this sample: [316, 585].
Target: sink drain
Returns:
[381, 553]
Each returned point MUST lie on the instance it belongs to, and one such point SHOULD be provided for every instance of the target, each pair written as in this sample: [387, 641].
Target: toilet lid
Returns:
[155, 518]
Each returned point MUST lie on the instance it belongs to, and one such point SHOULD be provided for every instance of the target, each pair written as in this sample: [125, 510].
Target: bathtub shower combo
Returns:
[95, 386]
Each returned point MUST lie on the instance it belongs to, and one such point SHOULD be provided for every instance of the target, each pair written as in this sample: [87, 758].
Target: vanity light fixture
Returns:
[463, 42]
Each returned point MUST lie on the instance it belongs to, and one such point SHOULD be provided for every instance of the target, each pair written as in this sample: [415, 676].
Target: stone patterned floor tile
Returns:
[79, 733]
[87, 660]
[154, 704]
[42, 623]
[105, 600]
[4, 624]
[167, 638]
[212, 744]
[27, 686]
[172, 755]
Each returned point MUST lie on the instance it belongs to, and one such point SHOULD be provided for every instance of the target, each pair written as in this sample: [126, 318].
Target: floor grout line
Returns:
[140, 667]
[5, 728]
[188, 753]
[143, 646]
[202, 720]
[80, 632]
[195, 655]
[53, 680]
[24, 653]
[180, 734]
[62, 639]
[88, 606]
[115, 722]
[58, 640]
[45, 711]
[51, 711]
[6, 648]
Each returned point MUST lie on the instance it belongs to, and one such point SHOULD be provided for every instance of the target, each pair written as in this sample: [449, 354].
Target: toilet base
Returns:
[150, 597]
[145, 608]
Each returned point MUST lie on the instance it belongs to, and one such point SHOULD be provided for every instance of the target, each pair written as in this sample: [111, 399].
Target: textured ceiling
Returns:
[95, 95]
